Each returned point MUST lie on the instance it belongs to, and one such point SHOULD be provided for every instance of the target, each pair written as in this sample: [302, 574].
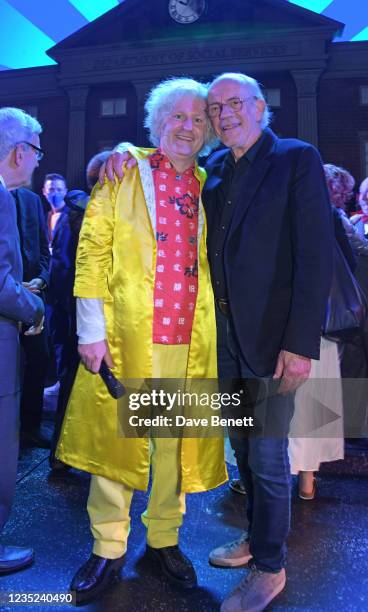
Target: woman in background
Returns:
[319, 405]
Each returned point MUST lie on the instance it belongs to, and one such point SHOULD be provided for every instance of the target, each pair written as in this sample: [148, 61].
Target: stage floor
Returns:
[328, 546]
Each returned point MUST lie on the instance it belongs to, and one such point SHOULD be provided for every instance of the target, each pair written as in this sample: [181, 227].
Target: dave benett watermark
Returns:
[176, 411]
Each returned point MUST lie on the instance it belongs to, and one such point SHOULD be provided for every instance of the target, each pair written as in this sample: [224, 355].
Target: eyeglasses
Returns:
[236, 104]
[39, 152]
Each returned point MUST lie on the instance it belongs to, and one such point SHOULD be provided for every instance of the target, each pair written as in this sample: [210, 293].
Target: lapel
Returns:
[58, 224]
[19, 208]
[200, 175]
[148, 187]
[255, 178]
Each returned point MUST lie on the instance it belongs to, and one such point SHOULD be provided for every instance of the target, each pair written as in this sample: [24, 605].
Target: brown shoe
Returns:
[233, 554]
[255, 591]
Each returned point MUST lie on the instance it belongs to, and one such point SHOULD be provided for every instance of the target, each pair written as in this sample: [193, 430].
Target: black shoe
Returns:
[14, 558]
[94, 576]
[175, 565]
[57, 466]
[38, 437]
[237, 485]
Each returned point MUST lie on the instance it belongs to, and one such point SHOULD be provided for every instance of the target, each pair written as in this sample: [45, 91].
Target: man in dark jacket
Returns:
[61, 269]
[36, 261]
[19, 155]
[270, 253]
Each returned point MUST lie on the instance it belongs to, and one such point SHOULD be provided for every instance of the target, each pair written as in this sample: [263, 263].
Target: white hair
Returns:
[162, 99]
[255, 90]
[363, 185]
[16, 126]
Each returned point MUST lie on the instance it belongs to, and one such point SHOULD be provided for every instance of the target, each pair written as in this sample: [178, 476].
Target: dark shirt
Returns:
[229, 196]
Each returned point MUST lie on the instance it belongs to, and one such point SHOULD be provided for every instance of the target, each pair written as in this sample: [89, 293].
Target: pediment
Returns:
[142, 23]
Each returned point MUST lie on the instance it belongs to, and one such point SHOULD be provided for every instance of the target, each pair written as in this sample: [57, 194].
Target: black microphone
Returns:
[115, 387]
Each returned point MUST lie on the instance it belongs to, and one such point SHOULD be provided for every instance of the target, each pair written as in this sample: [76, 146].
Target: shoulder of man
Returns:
[4, 193]
[216, 158]
[6, 199]
[23, 195]
[77, 200]
[294, 145]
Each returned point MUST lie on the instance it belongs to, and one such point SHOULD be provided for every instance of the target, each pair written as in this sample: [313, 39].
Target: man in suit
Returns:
[54, 190]
[36, 261]
[60, 289]
[19, 155]
[270, 253]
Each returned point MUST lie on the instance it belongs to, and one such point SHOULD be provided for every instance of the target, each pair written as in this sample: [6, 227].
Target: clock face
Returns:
[186, 11]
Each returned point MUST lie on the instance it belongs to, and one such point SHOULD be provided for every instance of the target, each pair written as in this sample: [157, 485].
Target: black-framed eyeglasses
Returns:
[39, 152]
[236, 104]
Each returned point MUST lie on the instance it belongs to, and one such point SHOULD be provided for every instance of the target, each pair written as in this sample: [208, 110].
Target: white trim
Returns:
[148, 186]
[200, 224]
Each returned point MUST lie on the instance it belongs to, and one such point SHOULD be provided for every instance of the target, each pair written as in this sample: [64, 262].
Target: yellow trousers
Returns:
[109, 501]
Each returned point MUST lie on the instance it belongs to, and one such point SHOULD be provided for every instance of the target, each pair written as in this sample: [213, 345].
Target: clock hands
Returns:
[186, 11]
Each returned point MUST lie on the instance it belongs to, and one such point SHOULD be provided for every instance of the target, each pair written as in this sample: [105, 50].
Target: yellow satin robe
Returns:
[116, 261]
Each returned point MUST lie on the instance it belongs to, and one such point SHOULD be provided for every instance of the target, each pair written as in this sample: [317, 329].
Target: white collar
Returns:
[2, 181]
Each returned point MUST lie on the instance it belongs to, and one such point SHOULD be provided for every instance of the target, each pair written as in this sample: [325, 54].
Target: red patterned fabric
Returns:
[176, 281]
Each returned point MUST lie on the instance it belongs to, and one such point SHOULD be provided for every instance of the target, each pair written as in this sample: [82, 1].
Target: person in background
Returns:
[54, 191]
[20, 154]
[340, 184]
[354, 358]
[360, 219]
[76, 202]
[312, 399]
[60, 286]
[36, 263]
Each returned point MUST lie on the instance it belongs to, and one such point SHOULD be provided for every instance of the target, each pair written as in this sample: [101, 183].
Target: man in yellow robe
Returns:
[126, 273]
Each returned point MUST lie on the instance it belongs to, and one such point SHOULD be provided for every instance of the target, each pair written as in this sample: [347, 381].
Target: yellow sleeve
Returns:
[94, 253]
[200, 174]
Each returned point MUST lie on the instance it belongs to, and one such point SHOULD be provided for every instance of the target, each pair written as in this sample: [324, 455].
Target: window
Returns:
[365, 158]
[363, 138]
[113, 107]
[364, 95]
[273, 97]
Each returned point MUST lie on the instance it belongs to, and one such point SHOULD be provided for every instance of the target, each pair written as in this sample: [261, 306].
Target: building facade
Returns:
[94, 96]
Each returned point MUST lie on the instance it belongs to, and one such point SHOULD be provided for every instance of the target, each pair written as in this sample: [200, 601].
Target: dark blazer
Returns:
[278, 253]
[64, 247]
[16, 302]
[33, 236]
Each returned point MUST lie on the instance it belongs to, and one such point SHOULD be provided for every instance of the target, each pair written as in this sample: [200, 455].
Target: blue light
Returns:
[354, 14]
[30, 27]
[21, 43]
[363, 35]
[57, 18]
[92, 10]
[313, 5]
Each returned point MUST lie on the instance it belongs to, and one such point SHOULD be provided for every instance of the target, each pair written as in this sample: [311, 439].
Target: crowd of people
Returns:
[164, 270]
